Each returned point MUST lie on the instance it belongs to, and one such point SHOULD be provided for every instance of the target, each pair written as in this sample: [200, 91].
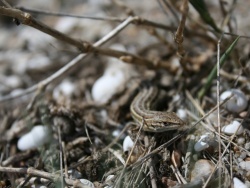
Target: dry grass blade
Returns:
[179, 33]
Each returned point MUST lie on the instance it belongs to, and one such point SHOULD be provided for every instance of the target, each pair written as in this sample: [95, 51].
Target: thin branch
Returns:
[11, 12]
[179, 33]
[84, 47]
[137, 20]
[58, 14]
[218, 109]
[27, 19]
[61, 154]
[42, 174]
[72, 64]
[65, 160]
[150, 164]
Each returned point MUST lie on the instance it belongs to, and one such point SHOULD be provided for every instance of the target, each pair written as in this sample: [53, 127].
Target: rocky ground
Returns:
[67, 82]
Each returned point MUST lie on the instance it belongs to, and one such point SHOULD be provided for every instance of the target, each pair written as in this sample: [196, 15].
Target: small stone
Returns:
[199, 146]
[75, 174]
[38, 136]
[237, 103]
[107, 85]
[13, 81]
[247, 159]
[87, 183]
[231, 129]
[245, 165]
[65, 88]
[243, 155]
[38, 62]
[127, 144]
[239, 160]
[241, 140]
[202, 169]
[243, 114]
[206, 140]
[110, 180]
[181, 113]
[238, 183]
[116, 133]
[247, 146]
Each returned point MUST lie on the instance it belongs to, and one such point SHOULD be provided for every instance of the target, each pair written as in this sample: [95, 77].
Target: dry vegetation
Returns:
[53, 53]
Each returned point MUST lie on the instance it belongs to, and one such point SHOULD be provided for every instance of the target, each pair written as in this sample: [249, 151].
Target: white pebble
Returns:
[19, 91]
[238, 183]
[202, 169]
[241, 141]
[176, 98]
[204, 142]
[127, 144]
[113, 80]
[116, 133]
[243, 154]
[238, 101]
[13, 81]
[181, 113]
[66, 88]
[66, 24]
[247, 146]
[245, 165]
[38, 62]
[110, 180]
[107, 85]
[231, 128]
[87, 183]
[38, 136]
[239, 159]
[199, 146]
[175, 62]
[35, 39]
